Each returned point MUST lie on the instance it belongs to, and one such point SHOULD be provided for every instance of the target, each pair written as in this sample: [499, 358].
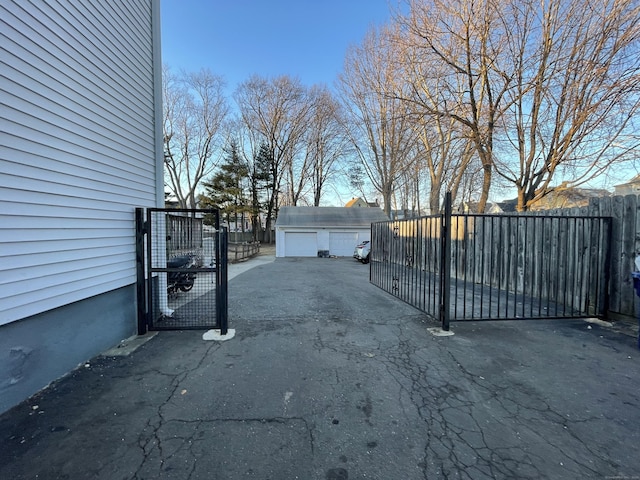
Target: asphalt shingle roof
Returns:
[329, 217]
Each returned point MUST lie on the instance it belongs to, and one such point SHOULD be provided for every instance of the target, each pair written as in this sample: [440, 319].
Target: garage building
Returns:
[310, 231]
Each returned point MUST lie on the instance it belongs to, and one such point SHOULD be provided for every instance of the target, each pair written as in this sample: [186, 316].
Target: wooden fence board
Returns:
[627, 255]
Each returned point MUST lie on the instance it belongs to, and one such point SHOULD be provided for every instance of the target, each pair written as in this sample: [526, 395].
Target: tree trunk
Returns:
[434, 198]
[386, 198]
[487, 170]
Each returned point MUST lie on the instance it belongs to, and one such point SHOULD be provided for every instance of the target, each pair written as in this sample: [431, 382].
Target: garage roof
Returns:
[329, 217]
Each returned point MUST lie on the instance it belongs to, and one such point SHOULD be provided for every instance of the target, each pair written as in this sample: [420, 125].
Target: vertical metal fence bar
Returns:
[483, 280]
[372, 257]
[141, 298]
[499, 263]
[411, 241]
[559, 288]
[524, 269]
[414, 250]
[151, 217]
[479, 271]
[506, 262]
[222, 311]
[394, 260]
[539, 256]
[474, 266]
[516, 241]
[382, 232]
[388, 270]
[564, 280]
[586, 265]
[420, 287]
[445, 297]
[428, 256]
[455, 250]
[434, 256]
[465, 263]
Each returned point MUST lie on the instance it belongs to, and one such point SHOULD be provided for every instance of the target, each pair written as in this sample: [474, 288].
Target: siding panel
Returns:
[77, 148]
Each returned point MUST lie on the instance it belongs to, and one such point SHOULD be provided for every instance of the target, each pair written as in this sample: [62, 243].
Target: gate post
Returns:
[141, 299]
[445, 262]
[222, 318]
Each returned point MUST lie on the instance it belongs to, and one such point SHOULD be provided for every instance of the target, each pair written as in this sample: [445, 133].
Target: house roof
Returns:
[329, 217]
[358, 200]
[353, 201]
[634, 181]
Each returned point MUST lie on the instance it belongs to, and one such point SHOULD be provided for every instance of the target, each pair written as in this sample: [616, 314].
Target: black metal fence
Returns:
[495, 267]
[186, 270]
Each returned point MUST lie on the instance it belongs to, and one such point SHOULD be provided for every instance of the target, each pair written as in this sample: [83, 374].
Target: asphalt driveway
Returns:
[330, 378]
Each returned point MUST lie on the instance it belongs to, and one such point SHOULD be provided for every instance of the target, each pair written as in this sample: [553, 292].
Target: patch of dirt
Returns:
[267, 249]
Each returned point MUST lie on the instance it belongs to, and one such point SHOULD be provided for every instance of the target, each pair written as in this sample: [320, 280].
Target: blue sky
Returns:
[237, 38]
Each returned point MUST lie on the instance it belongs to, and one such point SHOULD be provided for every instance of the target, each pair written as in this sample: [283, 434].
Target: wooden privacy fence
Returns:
[489, 267]
[625, 245]
[532, 266]
[242, 251]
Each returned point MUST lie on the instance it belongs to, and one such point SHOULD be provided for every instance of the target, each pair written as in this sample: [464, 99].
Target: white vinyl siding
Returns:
[78, 148]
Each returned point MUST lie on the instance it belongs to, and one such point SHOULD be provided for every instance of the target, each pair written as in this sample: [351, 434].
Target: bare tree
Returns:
[325, 140]
[445, 152]
[546, 91]
[457, 45]
[379, 124]
[275, 111]
[195, 109]
[576, 94]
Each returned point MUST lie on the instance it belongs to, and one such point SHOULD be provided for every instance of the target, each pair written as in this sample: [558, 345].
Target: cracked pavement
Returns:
[329, 377]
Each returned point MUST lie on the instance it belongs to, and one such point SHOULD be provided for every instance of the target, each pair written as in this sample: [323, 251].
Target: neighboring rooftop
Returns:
[632, 187]
[359, 202]
[328, 216]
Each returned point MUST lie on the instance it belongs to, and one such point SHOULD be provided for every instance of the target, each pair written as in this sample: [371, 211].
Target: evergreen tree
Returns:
[226, 189]
[263, 186]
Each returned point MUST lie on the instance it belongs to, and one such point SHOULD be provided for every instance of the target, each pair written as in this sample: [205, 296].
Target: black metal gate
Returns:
[182, 270]
[495, 267]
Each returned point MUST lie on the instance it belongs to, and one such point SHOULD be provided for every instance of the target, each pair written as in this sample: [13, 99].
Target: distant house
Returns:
[472, 207]
[81, 141]
[310, 231]
[359, 202]
[405, 214]
[632, 187]
[568, 197]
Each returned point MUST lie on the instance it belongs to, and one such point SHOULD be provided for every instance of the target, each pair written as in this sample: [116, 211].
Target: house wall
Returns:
[44, 347]
[80, 148]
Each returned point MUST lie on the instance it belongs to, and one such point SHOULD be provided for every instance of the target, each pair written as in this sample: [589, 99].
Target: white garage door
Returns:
[300, 244]
[342, 244]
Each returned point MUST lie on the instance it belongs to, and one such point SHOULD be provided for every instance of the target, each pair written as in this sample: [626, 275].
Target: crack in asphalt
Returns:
[150, 443]
[476, 427]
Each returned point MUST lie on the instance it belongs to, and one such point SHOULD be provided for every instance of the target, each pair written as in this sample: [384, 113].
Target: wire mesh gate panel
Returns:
[186, 258]
[495, 267]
